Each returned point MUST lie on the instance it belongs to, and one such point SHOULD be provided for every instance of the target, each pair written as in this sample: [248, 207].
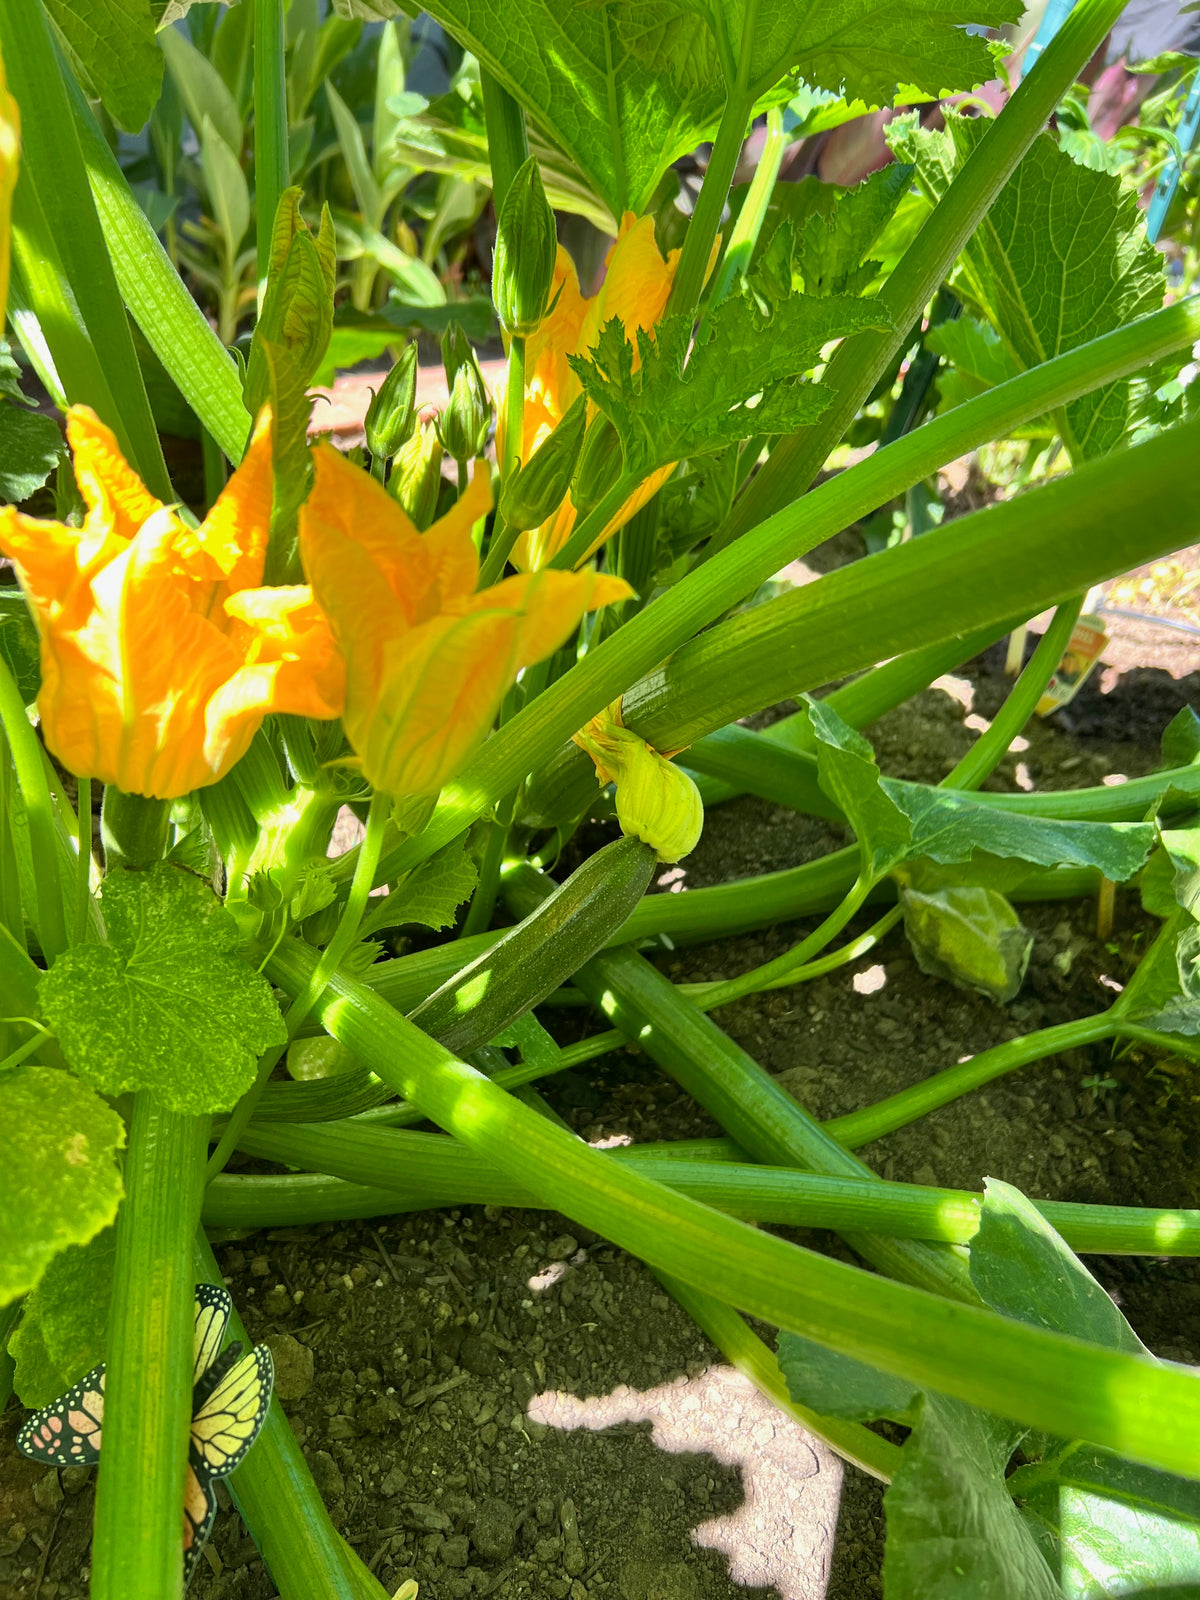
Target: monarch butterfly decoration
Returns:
[230, 1396]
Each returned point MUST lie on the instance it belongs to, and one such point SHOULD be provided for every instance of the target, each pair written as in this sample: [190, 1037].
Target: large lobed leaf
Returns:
[743, 375]
[627, 87]
[113, 49]
[167, 1005]
[1060, 257]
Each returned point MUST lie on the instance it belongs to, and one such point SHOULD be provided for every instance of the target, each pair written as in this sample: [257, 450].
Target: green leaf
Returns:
[225, 181]
[1181, 739]
[870, 49]
[587, 75]
[20, 649]
[1060, 257]
[1021, 1268]
[1121, 1527]
[354, 152]
[167, 1005]
[431, 894]
[948, 827]
[30, 448]
[834, 1385]
[847, 772]
[59, 1181]
[113, 43]
[969, 935]
[202, 89]
[953, 1530]
[831, 251]
[742, 376]
[535, 1045]
[367, 10]
[976, 351]
[64, 1328]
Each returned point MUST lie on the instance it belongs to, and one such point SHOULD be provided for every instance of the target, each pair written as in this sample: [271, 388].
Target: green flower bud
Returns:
[463, 426]
[599, 465]
[656, 801]
[392, 414]
[537, 488]
[417, 475]
[526, 249]
[457, 351]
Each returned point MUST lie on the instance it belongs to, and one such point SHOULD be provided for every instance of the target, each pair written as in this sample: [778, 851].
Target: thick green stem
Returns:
[507, 139]
[350, 1174]
[270, 125]
[39, 814]
[898, 1110]
[706, 218]
[137, 1547]
[274, 1492]
[860, 360]
[990, 748]
[1143, 1409]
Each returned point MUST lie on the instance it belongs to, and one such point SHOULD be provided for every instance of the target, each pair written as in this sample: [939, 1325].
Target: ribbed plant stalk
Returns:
[134, 829]
[137, 1541]
[270, 126]
[390, 1174]
[1147, 1411]
[507, 138]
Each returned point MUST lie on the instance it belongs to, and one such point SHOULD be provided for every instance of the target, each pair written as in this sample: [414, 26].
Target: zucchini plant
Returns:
[470, 668]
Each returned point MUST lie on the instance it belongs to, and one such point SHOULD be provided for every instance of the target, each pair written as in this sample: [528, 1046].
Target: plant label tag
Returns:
[1087, 641]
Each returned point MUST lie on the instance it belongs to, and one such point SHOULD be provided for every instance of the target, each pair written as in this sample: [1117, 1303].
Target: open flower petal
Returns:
[156, 667]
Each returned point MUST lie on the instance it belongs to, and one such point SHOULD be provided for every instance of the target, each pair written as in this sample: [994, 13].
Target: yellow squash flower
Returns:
[428, 659]
[10, 154]
[637, 285]
[160, 653]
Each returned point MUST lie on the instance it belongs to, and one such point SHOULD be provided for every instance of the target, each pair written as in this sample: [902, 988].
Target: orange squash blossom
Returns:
[428, 659]
[160, 652]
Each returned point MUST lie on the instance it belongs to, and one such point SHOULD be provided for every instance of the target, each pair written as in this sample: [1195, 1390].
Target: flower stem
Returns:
[133, 829]
[706, 219]
[270, 125]
[744, 235]
[514, 408]
[898, 1110]
[83, 860]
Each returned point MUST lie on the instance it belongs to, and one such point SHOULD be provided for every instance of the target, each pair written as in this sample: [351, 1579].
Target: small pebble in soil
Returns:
[293, 1366]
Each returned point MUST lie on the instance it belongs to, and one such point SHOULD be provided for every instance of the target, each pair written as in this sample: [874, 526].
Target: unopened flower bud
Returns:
[464, 424]
[526, 250]
[656, 801]
[457, 351]
[392, 414]
[417, 475]
[599, 465]
[537, 488]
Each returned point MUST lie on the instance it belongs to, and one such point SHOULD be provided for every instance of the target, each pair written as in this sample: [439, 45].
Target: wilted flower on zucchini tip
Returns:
[428, 659]
[161, 654]
[637, 285]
